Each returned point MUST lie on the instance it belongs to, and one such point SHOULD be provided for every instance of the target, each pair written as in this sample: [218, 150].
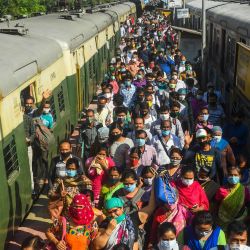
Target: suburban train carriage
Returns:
[227, 24]
[24, 70]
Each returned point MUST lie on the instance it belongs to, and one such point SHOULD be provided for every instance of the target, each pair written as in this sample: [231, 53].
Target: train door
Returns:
[223, 46]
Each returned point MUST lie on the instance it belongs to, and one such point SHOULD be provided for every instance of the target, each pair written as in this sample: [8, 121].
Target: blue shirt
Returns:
[47, 120]
[128, 95]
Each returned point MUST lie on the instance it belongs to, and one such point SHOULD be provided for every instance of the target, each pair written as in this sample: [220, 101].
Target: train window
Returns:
[10, 157]
[53, 108]
[61, 100]
[28, 91]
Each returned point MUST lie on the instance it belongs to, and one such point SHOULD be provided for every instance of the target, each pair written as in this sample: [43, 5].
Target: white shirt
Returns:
[163, 157]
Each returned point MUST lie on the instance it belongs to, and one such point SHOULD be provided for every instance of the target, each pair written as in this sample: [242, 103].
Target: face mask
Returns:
[115, 137]
[112, 77]
[113, 180]
[233, 179]
[165, 133]
[199, 97]
[134, 162]
[175, 77]
[130, 188]
[120, 218]
[183, 62]
[203, 143]
[150, 103]
[168, 245]
[121, 119]
[238, 247]
[182, 97]
[175, 162]
[65, 154]
[71, 173]
[164, 117]
[46, 110]
[174, 114]
[187, 182]
[148, 181]
[123, 70]
[172, 86]
[112, 69]
[107, 95]
[61, 173]
[142, 68]
[90, 119]
[217, 138]
[202, 233]
[139, 77]
[28, 109]
[140, 142]
[205, 117]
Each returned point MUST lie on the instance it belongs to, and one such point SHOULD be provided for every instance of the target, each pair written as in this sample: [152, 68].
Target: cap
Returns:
[182, 91]
[201, 133]
[216, 129]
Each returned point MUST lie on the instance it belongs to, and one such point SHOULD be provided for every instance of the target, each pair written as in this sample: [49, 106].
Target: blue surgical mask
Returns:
[140, 142]
[205, 117]
[130, 188]
[71, 173]
[233, 179]
[128, 83]
[165, 132]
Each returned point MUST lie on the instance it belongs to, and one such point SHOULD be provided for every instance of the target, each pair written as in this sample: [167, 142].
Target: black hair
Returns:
[166, 227]
[115, 169]
[163, 109]
[176, 150]
[163, 121]
[135, 150]
[90, 192]
[190, 81]
[187, 169]
[229, 168]
[120, 110]
[138, 117]
[115, 125]
[148, 169]
[129, 173]
[29, 97]
[71, 161]
[203, 217]
[139, 132]
[144, 105]
[102, 98]
[90, 110]
[176, 104]
[65, 141]
[33, 241]
[237, 227]
[118, 99]
[102, 147]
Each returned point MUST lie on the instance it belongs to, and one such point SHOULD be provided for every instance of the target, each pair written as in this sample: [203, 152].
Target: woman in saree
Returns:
[75, 231]
[111, 185]
[233, 198]
[191, 194]
[120, 227]
[170, 211]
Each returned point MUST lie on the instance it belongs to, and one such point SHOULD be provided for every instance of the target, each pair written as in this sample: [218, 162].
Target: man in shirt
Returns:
[102, 114]
[89, 132]
[128, 92]
[164, 142]
[58, 163]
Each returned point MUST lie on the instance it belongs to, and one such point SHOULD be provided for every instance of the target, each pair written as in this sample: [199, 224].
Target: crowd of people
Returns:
[162, 168]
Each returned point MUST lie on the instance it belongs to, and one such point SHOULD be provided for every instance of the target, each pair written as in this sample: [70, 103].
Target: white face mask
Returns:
[187, 182]
[175, 77]
[217, 138]
[46, 110]
[164, 117]
[182, 97]
[238, 247]
[168, 245]
[107, 95]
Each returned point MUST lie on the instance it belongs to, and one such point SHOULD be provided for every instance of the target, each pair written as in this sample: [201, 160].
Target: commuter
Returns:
[46, 116]
[97, 168]
[128, 91]
[102, 114]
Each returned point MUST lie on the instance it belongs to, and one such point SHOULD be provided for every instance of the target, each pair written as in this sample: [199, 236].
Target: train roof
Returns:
[21, 59]
[234, 16]
[121, 9]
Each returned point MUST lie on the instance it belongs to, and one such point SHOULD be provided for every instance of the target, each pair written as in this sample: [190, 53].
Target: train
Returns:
[227, 30]
[67, 54]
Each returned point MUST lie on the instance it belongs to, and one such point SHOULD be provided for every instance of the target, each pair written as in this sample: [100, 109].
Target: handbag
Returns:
[164, 192]
[52, 246]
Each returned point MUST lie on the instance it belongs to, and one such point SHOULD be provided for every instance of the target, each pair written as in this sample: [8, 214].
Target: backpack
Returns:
[44, 137]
